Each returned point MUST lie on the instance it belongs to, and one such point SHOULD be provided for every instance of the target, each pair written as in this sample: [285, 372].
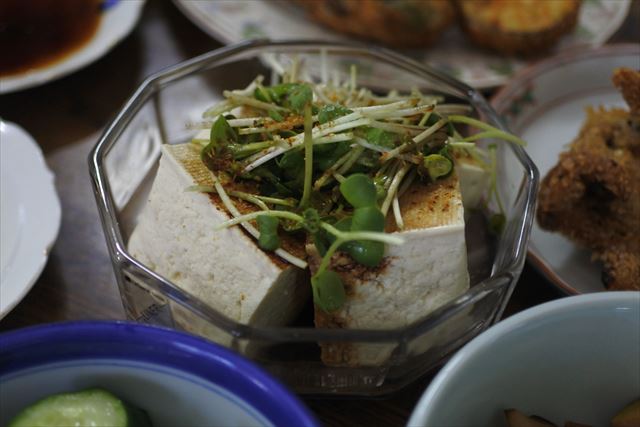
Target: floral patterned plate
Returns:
[545, 104]
[232, 21]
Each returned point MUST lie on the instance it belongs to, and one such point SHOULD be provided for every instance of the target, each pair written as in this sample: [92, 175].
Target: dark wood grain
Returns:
[66, 117]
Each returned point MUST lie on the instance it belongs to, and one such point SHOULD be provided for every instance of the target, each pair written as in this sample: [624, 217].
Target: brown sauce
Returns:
[36, 33]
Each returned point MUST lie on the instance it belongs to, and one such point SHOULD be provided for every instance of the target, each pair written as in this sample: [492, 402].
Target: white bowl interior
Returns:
[170, 397]
[576, 359]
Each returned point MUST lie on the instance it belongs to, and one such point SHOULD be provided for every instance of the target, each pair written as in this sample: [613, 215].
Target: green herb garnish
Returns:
[437, 166]
[330, 161]
[268, 226]
[331, 112]
[359, 190]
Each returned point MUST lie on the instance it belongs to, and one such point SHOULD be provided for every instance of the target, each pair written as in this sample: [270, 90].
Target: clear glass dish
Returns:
[123, 166]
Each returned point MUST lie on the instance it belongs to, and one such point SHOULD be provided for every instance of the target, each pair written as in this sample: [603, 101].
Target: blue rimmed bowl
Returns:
[177, 378]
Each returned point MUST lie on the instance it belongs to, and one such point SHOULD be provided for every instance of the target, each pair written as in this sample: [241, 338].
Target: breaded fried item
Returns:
[398, 23]
[628, 82]
[517, 27]
[592, 195]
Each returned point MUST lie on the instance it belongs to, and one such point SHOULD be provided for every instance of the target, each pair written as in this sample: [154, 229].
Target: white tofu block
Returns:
[225, 269]
[413, 280]
[474, 181]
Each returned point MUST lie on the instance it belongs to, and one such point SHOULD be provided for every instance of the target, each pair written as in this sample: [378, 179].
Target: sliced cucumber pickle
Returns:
[94, 407]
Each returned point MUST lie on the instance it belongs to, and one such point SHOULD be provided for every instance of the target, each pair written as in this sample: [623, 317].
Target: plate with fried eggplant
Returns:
[580, 115]
[481, 42]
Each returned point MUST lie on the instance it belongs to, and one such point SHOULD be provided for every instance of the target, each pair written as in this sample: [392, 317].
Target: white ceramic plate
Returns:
[545, 105]
[119, 18]
[231, 21]
[573, 359]
[29, 213]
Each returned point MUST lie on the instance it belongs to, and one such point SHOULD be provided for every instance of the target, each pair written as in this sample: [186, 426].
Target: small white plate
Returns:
[232, 21]
[119, 18]
[545, 105]
[29, 213]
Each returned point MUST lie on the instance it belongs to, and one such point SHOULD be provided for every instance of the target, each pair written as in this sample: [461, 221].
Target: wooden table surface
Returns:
[66, 117]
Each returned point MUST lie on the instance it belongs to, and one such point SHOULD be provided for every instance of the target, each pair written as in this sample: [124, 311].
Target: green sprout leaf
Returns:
[366, 252]
[328, 290]
[344, 224]
[437, 165]
[358, 189]
[292, 164]
[299, 97]
[268, 226]
[288, 95]
[331, 112]
[278, 92]
[381, 138]
[275, 115]
[216, 155]
[380, 181]
[262, 94]
[311, 220]
[274, 94]
[222, 133]
[325, 155]
[367, 218]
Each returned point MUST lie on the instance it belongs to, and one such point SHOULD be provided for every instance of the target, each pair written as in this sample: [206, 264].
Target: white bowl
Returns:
[178, 379]
[574, 359]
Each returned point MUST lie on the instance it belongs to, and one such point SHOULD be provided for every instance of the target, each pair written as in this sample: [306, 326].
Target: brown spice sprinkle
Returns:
[427, 205]
[424, 205]
[351, 272]
[592, 195]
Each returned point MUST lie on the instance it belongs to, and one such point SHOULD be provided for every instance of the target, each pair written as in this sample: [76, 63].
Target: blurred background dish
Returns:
[176, 378]
[545, 105]
[29, 211]
[403, 23]
[47, 39]
[518, 27]
[234, 21]
[559, 360]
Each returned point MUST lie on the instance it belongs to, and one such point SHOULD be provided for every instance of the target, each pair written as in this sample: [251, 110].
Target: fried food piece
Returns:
[399, 23]
[517, 27]
[592, 195]
[628, 82]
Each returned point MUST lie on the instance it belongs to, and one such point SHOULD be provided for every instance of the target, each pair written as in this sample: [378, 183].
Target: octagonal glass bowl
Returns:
[124, 162]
